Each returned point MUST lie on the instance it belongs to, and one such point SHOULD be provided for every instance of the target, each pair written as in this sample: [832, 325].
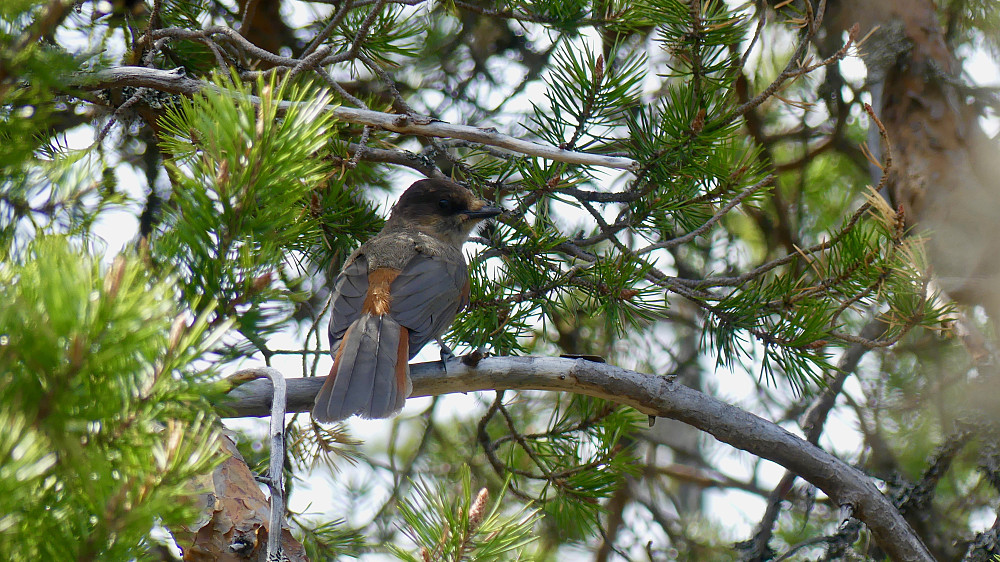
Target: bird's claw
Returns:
[446, 353]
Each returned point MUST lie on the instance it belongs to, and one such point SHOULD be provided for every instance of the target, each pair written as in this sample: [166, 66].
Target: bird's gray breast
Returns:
[396, 249]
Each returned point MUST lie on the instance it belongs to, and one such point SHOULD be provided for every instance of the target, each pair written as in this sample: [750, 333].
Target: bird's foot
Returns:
[446, 353]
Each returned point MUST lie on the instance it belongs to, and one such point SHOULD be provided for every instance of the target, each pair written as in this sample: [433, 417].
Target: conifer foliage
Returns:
[107, 419]
[694, 190]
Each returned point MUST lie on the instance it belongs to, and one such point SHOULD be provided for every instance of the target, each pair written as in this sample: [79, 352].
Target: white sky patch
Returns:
[737, 510]
[854, 71]
[984, 71]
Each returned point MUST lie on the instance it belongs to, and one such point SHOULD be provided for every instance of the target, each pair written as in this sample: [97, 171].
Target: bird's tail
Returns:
[371, 372]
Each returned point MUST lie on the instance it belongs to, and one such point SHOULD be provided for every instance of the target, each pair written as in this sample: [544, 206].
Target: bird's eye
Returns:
[446, 205]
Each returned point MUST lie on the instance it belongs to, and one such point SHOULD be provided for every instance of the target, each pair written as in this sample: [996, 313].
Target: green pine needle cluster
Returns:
[568, 462]
[587, 98]
[253, 191]
[451, 524]
[100, 397]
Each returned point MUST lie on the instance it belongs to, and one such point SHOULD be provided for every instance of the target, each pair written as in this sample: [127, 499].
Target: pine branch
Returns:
[660, 396]
[176, 83]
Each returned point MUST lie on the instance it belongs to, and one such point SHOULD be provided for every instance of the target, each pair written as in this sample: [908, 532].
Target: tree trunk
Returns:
[946, 174]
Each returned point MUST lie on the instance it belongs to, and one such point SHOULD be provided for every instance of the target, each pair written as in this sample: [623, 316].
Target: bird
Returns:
[397, 292]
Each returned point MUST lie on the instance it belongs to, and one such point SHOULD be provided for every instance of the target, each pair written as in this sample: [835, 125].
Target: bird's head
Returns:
[442, 209]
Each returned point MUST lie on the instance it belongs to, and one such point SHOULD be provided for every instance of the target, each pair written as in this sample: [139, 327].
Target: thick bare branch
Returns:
[660, 396]
[813, 422]
[176, 82]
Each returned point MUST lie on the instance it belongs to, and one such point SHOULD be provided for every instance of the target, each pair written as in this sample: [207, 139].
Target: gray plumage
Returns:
[370, 347]
[348, 295]
[427, 296]
[421, 245]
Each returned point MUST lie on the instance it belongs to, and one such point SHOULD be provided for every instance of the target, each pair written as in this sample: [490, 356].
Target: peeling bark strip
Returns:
[177, 83]
[661, 396]
[233, 523]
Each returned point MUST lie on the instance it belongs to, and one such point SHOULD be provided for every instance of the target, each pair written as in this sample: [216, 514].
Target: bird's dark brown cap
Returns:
[442, 197]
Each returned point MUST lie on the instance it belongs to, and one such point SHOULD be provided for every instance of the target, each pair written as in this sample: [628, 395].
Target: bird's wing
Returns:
[349, 289]
[427, 294]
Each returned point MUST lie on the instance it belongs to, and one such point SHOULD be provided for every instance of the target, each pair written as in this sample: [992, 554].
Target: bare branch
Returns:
[793, 69]
[275, 472]
[812, 424]
[175, 82]
[248, 13]
[228, 34]
[323, 35]
[417, 162]
[660, 396]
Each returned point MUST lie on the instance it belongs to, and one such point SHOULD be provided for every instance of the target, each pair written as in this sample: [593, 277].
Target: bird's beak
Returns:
[484, 212]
